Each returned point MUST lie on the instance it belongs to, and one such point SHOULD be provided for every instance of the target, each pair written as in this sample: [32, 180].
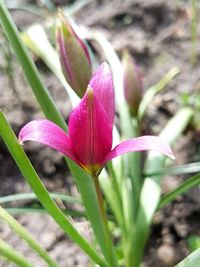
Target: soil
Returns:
[158, 35]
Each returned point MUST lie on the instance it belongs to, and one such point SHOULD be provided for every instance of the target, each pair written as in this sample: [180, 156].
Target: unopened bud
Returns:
[132, 83]
[74, 56]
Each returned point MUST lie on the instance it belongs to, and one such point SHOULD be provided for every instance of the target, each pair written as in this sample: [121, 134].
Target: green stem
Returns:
[115, 183]
[101, 204]
[24, 234]
[37, 186]
[12, 255]
[128, 129]
[108, 238]
[184, 187]
[108, 188]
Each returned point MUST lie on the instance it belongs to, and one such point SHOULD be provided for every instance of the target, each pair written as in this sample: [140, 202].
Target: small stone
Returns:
[166, 254]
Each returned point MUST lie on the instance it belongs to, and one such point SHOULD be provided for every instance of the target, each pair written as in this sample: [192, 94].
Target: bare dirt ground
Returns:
[158, 34]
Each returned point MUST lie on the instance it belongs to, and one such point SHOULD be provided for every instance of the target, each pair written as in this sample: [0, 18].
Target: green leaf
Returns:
[13, 255]
[36, 39]
[182, 188]
[193, 260]
[153, 90]
[193, 242]
[24, 234]
[151, 190]
[32, 196]
[176, 170]
[111, 191]
[25, 210]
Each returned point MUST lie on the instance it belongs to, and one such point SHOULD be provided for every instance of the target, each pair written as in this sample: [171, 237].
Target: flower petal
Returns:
[133, 87]
[74, 60]
[142, 143]
[90, 132]
[47, 133]
[102, 84]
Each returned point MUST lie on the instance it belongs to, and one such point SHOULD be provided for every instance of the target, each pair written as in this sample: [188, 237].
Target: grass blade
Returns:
[153, 90]
[32, 196]
[176, 170]
[24, 234]
[13, 255]
[184, 187]
[25, 210]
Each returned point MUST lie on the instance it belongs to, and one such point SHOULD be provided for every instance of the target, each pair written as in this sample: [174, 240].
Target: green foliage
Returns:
[13, 255]
[194, 242]
[193, 260]
[132, 195]
[193, 101]
[24, 234]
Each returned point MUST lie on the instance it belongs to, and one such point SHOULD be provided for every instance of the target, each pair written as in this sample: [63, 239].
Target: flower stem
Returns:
[111, 256]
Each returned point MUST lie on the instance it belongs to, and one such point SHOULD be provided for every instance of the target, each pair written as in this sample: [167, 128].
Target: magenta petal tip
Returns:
[47, 133]
[142, 143]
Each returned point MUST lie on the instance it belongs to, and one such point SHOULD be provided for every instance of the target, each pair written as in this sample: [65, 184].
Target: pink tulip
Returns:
[133, 87]
[89, 141]
[74, 56]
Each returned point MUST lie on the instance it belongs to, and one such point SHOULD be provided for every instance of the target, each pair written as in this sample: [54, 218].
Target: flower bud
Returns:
[74, 56]
[132, 83]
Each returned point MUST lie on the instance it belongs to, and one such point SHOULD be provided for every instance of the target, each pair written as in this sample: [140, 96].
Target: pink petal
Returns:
[74, 57]
[140, 144]
[47, 133]
[90, 132]
[102, 84]
[133, 87]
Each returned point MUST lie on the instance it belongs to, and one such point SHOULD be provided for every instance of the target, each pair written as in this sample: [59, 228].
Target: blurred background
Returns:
[159, 35]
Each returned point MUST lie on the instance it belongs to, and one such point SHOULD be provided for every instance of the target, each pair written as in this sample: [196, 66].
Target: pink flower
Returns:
[133, 87]
[89, 141]
[74, 56]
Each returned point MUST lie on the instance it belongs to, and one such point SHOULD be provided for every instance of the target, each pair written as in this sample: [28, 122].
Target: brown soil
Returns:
[158, 34]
